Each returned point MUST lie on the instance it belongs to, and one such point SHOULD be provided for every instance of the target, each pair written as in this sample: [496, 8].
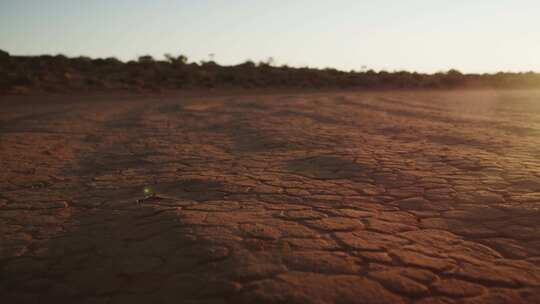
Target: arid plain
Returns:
[338, 197]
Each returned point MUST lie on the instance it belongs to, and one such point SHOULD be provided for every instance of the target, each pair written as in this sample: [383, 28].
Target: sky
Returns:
[473, 36]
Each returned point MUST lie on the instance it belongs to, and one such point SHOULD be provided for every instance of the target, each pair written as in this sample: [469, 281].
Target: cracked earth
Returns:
[382, 197]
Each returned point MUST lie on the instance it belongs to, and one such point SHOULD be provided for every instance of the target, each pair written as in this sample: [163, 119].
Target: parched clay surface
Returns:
[383, 197]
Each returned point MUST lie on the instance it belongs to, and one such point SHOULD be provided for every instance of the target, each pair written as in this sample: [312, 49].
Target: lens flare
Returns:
[147, 191]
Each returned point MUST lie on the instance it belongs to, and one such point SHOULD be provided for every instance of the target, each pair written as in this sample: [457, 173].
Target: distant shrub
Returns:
[178, 60]
[109, 61]
[4, 55]
[145, 59]
[248, 64]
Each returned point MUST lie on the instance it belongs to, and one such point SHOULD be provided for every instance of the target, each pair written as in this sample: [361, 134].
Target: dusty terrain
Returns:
[391, 197]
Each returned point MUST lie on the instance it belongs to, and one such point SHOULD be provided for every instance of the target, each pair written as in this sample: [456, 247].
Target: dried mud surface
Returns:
[390, 197]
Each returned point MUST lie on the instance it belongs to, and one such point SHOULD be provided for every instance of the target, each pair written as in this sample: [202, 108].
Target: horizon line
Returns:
[364, 69]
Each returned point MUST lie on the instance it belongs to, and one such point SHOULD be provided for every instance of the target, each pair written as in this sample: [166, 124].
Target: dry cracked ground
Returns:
[380, 197]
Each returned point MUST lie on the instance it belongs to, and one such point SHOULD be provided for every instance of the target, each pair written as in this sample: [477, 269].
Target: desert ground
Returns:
[329, 197]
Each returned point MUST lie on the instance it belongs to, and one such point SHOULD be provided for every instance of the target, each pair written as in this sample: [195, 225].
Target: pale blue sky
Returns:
[420, 35]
